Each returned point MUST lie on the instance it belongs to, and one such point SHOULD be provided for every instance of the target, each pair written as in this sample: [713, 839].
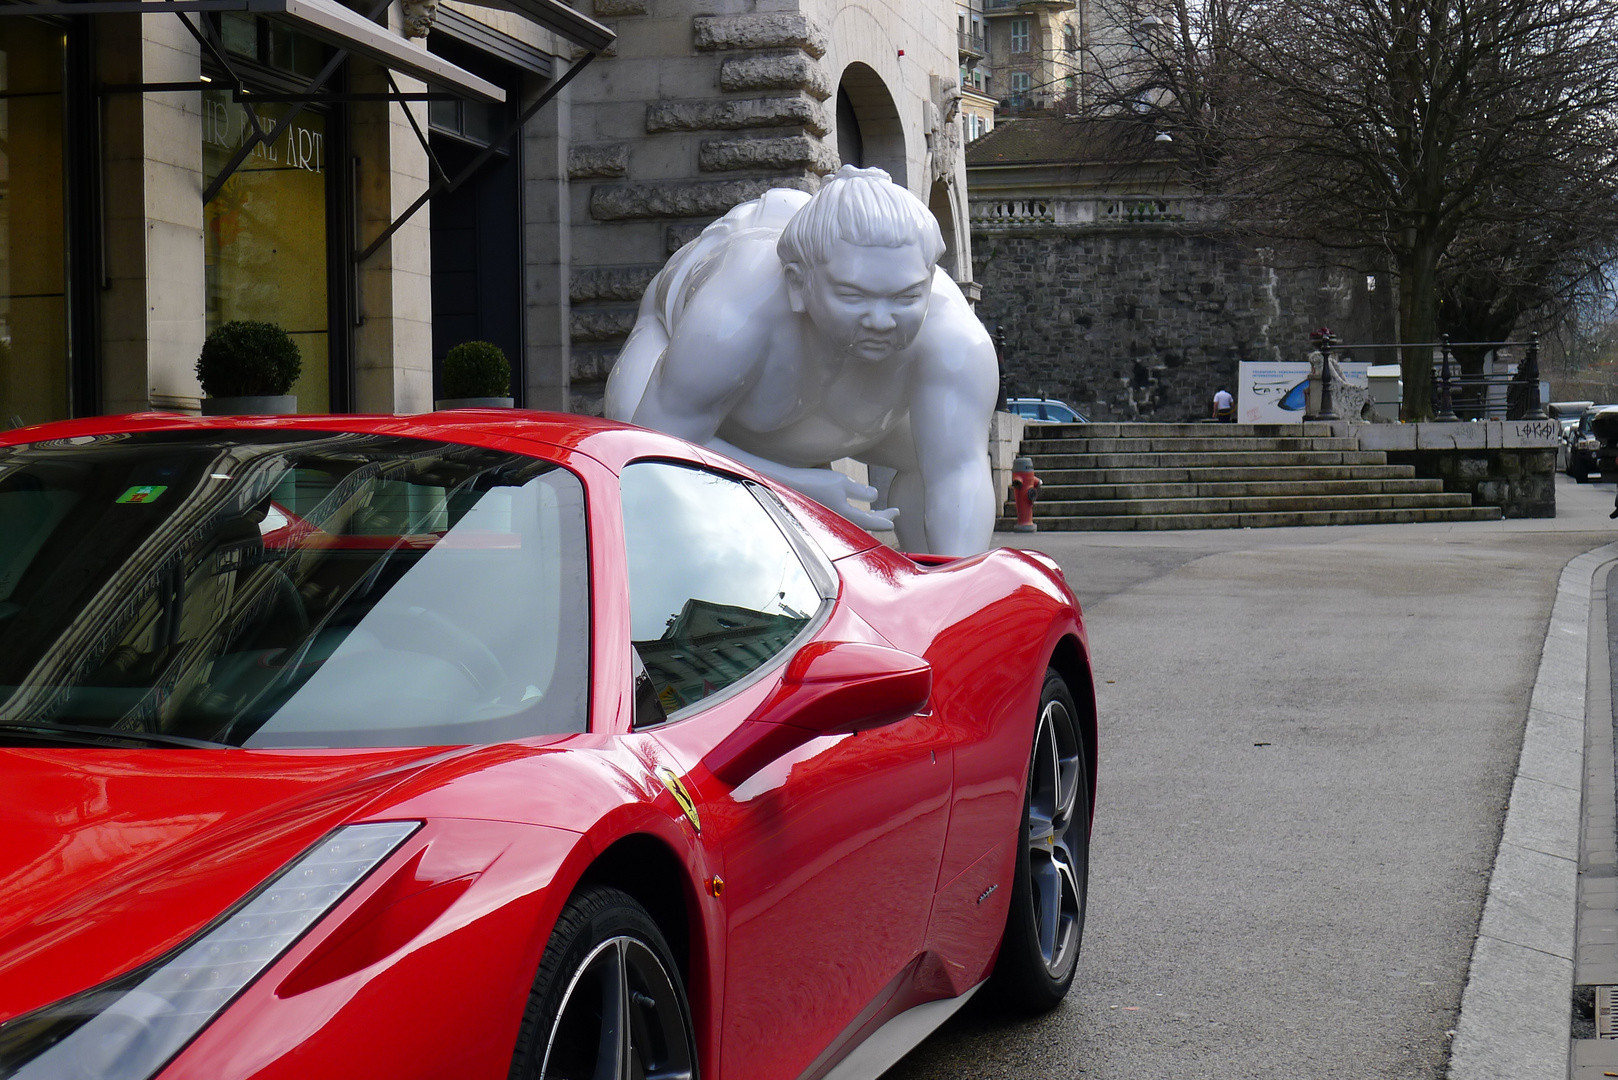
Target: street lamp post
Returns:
[1446, 402]
[1324, 342]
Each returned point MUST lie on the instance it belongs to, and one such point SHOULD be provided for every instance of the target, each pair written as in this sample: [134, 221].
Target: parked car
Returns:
[1045, 411]
[486, 743]
[1567, 413]
[1583, 445]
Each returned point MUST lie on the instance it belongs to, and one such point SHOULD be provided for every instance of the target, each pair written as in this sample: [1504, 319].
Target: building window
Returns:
[1019, 83]
[34, 375]
[1069, 84]
[1019, 35]
[1070, 40]
[265, 232]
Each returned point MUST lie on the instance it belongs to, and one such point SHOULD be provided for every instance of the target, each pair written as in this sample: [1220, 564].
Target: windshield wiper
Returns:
[76, 732]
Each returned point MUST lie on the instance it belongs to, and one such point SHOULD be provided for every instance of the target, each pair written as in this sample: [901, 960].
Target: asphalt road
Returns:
[1308, 737]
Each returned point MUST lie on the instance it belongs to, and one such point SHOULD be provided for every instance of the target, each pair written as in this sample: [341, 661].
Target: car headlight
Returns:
[131, 1027]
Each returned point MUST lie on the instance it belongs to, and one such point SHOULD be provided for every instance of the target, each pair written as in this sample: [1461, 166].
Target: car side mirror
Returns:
[829, 688]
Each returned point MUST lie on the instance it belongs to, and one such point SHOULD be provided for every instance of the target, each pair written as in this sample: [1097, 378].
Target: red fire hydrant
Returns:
[1025, 489]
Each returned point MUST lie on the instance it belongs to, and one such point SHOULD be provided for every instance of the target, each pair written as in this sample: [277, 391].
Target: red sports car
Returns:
[496, 744]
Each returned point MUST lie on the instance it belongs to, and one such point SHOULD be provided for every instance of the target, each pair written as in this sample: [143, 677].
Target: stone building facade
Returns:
[1119, 292]
[293, 163]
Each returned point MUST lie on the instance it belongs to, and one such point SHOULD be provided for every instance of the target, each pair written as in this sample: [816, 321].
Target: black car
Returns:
[1585, 443]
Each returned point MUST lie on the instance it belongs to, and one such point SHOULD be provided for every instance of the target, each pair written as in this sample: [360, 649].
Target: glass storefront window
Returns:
[266, 232]
[33, 303]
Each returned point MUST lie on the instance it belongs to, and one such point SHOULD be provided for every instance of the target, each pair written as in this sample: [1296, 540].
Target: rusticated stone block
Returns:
[775, 71]
[695, 198]
[592, 364]
[680, 235]
[784, 152]
[600, 323]
[798, 110]
[598, 159]
[610, 283]
[772, 30]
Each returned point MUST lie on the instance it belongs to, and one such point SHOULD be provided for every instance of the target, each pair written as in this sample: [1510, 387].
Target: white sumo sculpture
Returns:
[796, 331]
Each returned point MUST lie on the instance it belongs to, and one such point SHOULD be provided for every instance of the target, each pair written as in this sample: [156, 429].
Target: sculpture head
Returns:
[859, 259]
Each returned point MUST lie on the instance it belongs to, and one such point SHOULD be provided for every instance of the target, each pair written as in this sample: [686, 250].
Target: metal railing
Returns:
[1485, 395]
[970, 42]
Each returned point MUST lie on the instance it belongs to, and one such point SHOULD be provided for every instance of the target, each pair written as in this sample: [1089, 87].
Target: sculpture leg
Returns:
[907, 494]
[636, 363]
[881, 478]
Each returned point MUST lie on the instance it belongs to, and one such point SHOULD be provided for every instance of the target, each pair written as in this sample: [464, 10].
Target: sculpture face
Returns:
[869, 301]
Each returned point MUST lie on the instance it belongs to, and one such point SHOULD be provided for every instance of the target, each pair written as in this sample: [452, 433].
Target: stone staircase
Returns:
[1225, 476]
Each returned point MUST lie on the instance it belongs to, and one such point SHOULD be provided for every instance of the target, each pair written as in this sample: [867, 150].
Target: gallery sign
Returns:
[1279, 393]
[1276, 393]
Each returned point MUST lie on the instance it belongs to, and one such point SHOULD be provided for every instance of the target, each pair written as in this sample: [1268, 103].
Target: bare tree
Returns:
[1468, 145]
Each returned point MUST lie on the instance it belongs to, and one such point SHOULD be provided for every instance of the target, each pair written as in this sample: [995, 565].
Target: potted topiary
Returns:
[246, 369]
[477, 375]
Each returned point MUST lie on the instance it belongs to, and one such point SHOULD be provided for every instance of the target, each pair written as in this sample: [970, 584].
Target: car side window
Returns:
[715, 588]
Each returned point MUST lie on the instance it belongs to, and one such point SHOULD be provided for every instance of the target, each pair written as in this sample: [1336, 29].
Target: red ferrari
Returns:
[496, 744]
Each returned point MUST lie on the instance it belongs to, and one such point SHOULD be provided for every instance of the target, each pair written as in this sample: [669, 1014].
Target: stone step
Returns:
[1036, 447]
[1256, 489]
[1150, 522]
[1208, 460]
[1266, 504]
[1225, 474]
[1176, 431]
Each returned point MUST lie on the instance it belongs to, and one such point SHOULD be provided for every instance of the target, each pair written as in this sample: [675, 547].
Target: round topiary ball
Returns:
[248, 359]
[476, 369]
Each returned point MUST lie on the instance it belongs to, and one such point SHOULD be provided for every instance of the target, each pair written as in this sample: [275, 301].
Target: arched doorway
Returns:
[938, 201]
[869, 133]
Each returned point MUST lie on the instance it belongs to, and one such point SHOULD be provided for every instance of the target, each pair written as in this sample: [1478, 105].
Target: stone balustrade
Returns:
[1112, 212]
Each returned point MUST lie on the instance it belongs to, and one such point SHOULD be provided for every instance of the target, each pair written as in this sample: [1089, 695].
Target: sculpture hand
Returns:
[833, 490]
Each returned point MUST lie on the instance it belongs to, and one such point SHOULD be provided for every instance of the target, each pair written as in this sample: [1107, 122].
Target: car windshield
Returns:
[276, 588]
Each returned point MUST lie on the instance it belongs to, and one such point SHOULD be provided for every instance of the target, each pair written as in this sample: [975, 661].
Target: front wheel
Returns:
[1045, 925]
[607, 1003]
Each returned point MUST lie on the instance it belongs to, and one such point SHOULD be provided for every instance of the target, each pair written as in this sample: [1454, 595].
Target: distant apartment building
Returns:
[1034, 50]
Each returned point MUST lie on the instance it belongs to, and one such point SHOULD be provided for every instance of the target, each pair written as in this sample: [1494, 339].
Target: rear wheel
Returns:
[607, 1003]
[1045, 925]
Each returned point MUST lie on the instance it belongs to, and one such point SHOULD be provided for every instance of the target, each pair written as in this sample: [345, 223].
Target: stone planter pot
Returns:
[265, 405]
[473, 403]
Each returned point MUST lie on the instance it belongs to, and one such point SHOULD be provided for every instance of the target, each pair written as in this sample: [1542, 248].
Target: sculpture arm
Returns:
[950, 417]
[828, 487]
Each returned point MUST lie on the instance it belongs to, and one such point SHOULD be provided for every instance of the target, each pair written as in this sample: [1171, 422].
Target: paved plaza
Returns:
[1309, 738]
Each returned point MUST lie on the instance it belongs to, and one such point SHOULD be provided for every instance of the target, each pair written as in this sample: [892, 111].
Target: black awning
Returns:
[558, 18]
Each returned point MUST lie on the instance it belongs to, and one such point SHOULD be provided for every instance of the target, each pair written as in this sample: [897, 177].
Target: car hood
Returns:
[110, 858]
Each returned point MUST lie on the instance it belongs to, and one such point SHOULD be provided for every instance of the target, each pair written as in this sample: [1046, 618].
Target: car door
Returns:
[831, 852]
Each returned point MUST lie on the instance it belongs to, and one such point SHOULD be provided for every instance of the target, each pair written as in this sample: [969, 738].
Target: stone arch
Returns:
[869, 133]
[943, 208]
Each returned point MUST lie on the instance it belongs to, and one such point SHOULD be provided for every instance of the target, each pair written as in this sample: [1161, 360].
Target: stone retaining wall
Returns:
[1506, 463]
[1145, 320]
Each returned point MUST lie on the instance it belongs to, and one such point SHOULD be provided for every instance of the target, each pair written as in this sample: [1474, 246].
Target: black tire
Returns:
[1039, 951]
[606, 969]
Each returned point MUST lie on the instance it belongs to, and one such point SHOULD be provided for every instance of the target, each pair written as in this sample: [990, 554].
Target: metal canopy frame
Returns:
[326, 20]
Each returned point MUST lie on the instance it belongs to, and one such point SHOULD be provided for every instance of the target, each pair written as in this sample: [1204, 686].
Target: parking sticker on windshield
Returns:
[144, 493]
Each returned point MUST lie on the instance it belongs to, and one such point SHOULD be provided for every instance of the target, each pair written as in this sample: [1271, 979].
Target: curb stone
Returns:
[1514, 1022]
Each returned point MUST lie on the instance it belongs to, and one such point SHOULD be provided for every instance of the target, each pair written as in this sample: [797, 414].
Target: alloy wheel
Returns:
[1053, 832]
[621, 1019]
